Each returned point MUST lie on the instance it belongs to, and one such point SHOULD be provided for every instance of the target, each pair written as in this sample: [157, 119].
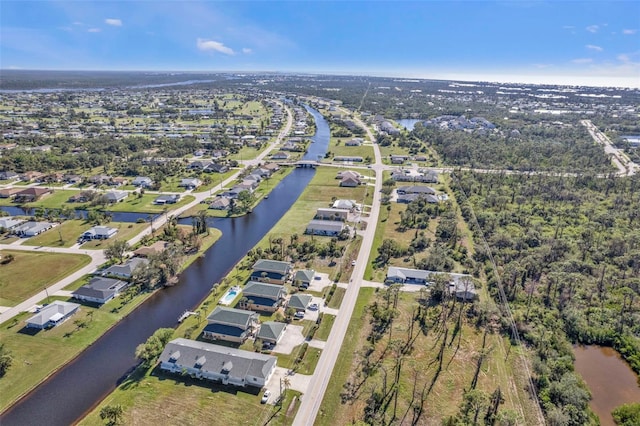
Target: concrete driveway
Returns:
[319, 284]
[299, 382]
[292, 337]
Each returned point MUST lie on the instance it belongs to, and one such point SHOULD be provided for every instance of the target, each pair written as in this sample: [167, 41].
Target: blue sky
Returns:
[565, 42]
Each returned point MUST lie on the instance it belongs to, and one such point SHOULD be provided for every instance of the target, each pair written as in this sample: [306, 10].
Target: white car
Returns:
[353, 263]
[298, 315]
[265, 397]
[313, 307]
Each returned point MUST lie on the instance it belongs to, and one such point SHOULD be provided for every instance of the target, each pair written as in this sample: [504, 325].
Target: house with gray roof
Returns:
[166, 199]
[53, 314]
[229, 324]
[99, 233]
[303, 277]
[32, 228]
[217, 363]
[190, 183]
[116, 196]
[270, 332]
[126, 269]
[220, 203]
[100, 290]
[418, 276]
[271, 271]
[415, 189]
[262, 296]
[345, 204]
[332, 214]
[299, 301]
[325, 227]
[9, 222]
[142, 182]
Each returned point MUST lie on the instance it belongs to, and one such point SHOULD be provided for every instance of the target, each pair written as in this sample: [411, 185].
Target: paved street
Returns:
[311, 400]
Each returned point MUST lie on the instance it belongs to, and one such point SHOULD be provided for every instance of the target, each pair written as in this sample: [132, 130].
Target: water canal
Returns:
[611, 381]
[80, 385]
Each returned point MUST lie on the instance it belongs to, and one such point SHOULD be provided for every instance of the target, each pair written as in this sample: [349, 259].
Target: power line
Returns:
[504, 302]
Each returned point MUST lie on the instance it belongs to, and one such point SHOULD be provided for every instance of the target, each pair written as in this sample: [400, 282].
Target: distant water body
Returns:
[102, 89]
[408, 123]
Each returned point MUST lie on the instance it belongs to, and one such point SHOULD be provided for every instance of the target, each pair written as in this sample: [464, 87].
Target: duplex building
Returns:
[100, 290]
[53, 314]
[229, 324]
[262, 296]
[228, 366]
[271, 271]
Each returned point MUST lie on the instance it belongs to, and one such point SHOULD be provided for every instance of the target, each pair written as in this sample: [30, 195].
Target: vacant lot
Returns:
[439, 364]
[29, 272]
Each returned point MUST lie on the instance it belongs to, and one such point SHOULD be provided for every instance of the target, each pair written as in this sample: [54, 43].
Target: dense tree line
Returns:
[568, 255]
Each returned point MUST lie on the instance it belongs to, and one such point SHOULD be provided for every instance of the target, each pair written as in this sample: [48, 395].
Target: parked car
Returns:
[265, 396]
[313, 307]
[353, 263]
[298, 315]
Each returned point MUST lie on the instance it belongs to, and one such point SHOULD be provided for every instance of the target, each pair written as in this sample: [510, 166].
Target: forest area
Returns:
[567, 253]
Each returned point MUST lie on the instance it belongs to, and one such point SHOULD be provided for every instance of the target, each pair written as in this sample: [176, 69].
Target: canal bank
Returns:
[85, 381]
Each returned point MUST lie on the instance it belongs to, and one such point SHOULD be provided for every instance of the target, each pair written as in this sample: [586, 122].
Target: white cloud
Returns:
[113, 21]
[623, 58]
[593, 28]
[594, 47]
[629, 32]
[246, 50]
[207, 45]
[582, 61]
[94, 30]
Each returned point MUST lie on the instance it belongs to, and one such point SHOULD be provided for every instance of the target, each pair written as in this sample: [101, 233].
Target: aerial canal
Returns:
[65, 397]
[611, 381]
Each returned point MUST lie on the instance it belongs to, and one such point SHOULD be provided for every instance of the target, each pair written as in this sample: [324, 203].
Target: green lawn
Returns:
[216, 180]
[153, 397]
[126, 231]
[325, 327]
[308, 363]
[37, 355]
[63, 235]
[30, 272]
[145, 204]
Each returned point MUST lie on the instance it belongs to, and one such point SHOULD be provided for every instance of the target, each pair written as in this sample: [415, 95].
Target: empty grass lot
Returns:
[145, 204]
[30, 272]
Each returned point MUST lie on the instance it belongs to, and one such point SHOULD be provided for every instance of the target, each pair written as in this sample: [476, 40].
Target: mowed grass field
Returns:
[445, 389]
[30, 272]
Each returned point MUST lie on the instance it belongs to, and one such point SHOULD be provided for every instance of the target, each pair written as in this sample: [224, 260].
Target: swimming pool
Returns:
[230, 295]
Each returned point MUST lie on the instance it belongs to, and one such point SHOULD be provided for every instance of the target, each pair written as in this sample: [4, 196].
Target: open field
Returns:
[145, 204]
[30, 272]
[441, 362]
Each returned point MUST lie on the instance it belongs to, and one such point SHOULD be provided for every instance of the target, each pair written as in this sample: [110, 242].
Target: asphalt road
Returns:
[311, 400]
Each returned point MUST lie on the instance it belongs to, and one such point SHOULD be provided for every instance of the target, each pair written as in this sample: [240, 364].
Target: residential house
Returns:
[72, 179]
[345, 205]
[229, 324]
[100, 290]
[53, 314]
[407, 276]
[31, 228]
[399, 159]
[199, 165]
[332, 214]
[220, 203]
[407, 198]
[270, 333]
[228, 366]
[8, 175]
[31, 176]
[262, 296]
[216, 168]
[29, 195]
[100, 179]
[280, 155]
[271, 271]
[155, 248]
[348, 158]
[126, 269]
[190, 183]
[82, 197]
[272, 167]
[463, 289]
[325, 227]
[116, 196]
[99, 233]
[353, 142]
[8, 223]
[166, 199]
[299, 301]
[142, 182]
[9, 192]
[416, 189]
[303, 277]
